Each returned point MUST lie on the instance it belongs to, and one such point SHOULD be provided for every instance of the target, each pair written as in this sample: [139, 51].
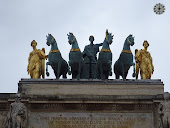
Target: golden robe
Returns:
[36, 63]
[144, 63]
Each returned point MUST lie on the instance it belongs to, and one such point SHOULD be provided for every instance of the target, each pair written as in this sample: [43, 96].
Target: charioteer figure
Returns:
[90, 59]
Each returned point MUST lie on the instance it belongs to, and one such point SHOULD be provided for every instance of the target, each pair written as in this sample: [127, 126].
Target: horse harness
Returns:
[75, 50]
[54, 51]
[127, 51]
[105, 50]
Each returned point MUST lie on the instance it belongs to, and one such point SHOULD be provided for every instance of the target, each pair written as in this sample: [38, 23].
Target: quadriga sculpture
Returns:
[58, 64]
[125, 60]
[104, 61]
[90, 59]
[75, 57]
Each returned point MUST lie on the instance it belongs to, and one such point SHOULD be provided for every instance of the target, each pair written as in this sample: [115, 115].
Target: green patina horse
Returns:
[125, 60]
[75, 58]
[104, 61]
[58, 64]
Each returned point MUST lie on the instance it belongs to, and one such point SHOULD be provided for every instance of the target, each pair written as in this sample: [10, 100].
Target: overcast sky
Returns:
[22, 21]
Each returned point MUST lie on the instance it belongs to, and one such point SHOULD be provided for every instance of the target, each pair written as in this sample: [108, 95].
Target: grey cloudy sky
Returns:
[22, 21]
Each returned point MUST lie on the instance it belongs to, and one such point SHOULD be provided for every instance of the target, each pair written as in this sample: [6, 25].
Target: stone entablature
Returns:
[90, 87]
[55, 103]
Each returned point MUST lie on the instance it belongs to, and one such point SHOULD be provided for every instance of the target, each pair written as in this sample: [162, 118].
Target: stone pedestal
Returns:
[89, 103]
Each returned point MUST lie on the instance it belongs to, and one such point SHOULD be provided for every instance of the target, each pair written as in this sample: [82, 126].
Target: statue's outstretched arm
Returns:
[99, 44]
[42, 54]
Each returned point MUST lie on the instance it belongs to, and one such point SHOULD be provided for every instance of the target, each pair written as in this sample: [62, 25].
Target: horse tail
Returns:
[115, 67]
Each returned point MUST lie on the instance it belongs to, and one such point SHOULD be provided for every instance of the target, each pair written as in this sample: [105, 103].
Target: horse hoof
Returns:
[47, 73]
[69, 72]
[134, 75]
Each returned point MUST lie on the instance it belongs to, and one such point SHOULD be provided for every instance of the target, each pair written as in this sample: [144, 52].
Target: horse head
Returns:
[109, 37]
[130, 40]
[50, 40]
[71, 38]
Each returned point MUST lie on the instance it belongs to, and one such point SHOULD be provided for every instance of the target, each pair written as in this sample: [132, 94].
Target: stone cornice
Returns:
[95, 81]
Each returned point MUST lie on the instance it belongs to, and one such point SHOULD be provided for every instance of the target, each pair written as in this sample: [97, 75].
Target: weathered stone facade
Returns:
[88, 104]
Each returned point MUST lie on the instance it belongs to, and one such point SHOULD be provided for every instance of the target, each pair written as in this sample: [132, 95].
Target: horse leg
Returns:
[123, 72]
[134, 72]
[82, 66]
[48, 63]
[65, 71]
[101, 71]
[117, 76]
[64, 76]
[117, 69]
[59, 68]
[79, 70]
[107, 75]
[110, 67]
[74, 74]
[97, 71]
[126, 72]
[69, 66]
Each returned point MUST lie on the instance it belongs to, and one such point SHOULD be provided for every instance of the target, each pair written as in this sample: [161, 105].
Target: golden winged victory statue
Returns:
[36, 62]
[144, 62]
